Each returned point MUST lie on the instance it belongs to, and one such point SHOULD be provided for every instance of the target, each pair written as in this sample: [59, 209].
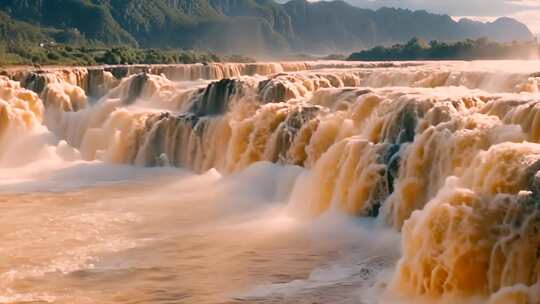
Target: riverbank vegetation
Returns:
[58, 54]
[418, 49]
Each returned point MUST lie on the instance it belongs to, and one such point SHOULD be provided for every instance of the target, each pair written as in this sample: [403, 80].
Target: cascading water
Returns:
[447, 154]
[20, 111]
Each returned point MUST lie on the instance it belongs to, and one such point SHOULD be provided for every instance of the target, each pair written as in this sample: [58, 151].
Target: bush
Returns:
[53, 55]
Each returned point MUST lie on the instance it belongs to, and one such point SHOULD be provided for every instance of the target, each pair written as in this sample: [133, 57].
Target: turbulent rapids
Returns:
[446, 154]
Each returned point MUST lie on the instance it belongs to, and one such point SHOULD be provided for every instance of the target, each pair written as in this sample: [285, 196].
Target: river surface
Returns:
[95, 233]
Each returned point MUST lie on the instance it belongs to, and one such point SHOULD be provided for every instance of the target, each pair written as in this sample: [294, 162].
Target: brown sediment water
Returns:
[326, 182]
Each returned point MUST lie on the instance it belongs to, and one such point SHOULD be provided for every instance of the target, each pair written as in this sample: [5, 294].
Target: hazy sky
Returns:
[526, 11]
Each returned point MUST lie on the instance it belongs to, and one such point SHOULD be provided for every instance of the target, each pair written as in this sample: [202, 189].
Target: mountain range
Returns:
[236, 26]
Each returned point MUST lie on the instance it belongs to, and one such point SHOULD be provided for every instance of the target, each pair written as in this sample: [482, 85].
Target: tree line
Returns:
[50, 53]
[418, 49]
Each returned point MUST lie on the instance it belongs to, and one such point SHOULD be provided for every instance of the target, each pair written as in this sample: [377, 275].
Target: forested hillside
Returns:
[234, 26]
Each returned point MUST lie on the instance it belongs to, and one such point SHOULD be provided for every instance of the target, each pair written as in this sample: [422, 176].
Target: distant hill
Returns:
[236, 26]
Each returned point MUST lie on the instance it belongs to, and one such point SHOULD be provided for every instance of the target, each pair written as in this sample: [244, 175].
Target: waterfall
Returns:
[446, 153]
